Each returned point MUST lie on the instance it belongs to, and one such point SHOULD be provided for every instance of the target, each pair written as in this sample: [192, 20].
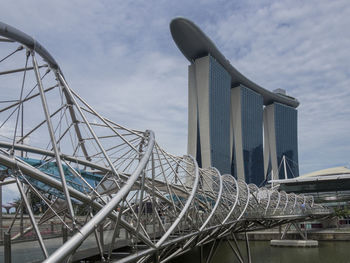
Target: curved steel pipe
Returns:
[190, 205]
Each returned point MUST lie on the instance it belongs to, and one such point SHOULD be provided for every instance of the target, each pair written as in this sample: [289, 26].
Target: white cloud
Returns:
[302, 47]
[120, 57]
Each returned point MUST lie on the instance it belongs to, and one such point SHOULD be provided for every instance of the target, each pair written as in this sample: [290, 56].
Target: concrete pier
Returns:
[294, 243]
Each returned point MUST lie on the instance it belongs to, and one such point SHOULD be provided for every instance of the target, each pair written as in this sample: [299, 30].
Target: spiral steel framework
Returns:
[56, 146]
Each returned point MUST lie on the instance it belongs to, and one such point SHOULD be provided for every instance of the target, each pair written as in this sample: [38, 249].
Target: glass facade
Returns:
[286, 129]
[215, 92]
[219, 110]
[252, 135]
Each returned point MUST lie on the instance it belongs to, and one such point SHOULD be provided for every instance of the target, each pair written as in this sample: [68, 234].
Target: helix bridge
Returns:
[91, 173]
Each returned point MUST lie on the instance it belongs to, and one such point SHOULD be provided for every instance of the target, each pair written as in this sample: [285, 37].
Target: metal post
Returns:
[7, 247]
[236, 243]
[305, 230]
[32, 218]
[21, 227]
[153, 199]
[99, 244]
[248, 247]
[156, 257]
[101, 235]
[201, 255]
[285, 167]
[280, 232]
[64, 234]
[53, 139]
[0, 212]
[72, 98]
[211, 251]
[297, 227]
[235, 251]
[116, 231]
[286, 230]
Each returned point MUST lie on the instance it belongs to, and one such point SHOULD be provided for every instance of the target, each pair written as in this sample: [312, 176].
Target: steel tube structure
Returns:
[85, 169]
[52, 136]
[31, 216]
[86, 230]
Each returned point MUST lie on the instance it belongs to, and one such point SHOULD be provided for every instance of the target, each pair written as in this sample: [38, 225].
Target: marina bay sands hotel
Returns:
[234, 124]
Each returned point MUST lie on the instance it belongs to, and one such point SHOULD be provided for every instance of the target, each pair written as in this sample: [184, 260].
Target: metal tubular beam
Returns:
[67, 89]
[248, 247]
[115, 233]
[190, 206]
[25, 100]
[19, 70]
[73, 159]
[235, 251]
[53, 139]
[247, 203]
[186, 206]
[7, 247]
[216, 203]
[32, 218]
[104, 121]
[5, 40]
[74, 118]
[86, 230]
[40, 176]
[235, 202]
[11, 181]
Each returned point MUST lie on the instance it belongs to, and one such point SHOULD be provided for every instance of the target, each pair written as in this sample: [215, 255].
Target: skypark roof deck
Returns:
[194, 44]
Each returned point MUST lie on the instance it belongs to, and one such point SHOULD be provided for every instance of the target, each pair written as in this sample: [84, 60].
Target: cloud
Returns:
[301, 47]
[119, 56]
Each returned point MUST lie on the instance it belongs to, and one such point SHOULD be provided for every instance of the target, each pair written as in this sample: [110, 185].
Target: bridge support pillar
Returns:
[0, 212]
[7, 247]
[201, 255]
[101, 235]
[64, 234]
[247, 247]
[156, 257]
[280, 232]
[297, 227]
[235, 250]
[282, 242]
[285, 230]
[214, 248]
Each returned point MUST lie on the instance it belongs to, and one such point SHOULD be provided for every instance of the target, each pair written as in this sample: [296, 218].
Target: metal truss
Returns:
[92, 174]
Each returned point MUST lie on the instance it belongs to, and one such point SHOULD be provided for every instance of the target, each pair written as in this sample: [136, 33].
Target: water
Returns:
[262, 252]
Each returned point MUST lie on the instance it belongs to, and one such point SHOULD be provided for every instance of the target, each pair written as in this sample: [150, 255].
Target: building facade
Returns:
[281, 137]
[209, 114]
[226, 124]
[247, 135]
[234, 124]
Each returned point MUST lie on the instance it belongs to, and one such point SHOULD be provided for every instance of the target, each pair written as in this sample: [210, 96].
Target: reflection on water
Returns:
[262, 252]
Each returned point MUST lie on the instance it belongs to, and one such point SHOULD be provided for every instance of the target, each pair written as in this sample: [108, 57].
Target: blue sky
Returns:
[119, 55]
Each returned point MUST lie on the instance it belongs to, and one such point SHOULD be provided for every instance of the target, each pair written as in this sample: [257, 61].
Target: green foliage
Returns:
[342, 212]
